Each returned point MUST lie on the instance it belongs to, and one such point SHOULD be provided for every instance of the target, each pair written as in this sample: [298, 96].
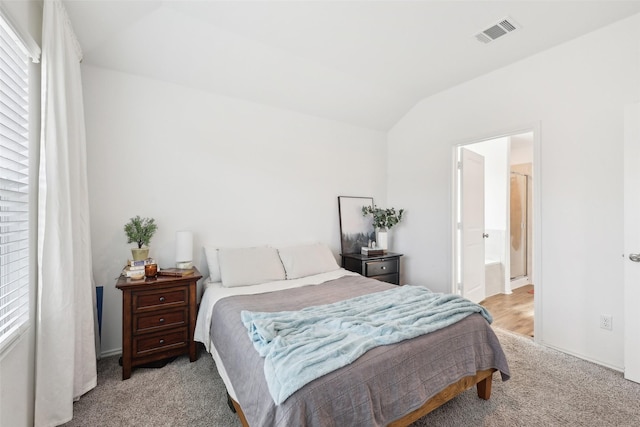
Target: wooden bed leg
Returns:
[238, 410]
[230, 403]
[484, 388]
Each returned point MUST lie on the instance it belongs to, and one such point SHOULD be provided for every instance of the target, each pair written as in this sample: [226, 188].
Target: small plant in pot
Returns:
[140, 231]
[383, 220]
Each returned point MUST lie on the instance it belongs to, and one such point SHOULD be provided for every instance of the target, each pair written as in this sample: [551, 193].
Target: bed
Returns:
[394, 384]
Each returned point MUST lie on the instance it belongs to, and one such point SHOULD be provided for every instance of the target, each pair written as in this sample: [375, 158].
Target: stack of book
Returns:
[372, 251]
[136, 268]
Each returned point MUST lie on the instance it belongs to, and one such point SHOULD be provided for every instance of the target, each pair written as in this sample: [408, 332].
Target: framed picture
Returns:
[356, 230]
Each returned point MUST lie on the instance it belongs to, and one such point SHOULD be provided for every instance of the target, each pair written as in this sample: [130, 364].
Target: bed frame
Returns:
[482, 380]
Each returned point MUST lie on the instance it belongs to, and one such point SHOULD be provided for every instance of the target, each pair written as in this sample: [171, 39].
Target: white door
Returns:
[632, 243]
[472, 227]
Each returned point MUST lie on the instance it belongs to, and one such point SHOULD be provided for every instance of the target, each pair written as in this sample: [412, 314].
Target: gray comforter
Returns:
[381, 386]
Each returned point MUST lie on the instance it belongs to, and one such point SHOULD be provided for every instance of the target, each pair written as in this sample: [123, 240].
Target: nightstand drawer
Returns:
[384, 267]
[146, 344]
[143, 301]
[394, 279]
[155, 321]
[378, 268]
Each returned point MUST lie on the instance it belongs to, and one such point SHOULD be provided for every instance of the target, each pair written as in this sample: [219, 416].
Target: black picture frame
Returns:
[356, 230]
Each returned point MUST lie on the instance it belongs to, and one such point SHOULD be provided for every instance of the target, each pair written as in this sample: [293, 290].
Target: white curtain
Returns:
[65, 340]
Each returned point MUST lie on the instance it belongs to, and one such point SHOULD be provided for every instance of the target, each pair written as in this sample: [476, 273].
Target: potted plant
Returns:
[383, 221]
[140, 231]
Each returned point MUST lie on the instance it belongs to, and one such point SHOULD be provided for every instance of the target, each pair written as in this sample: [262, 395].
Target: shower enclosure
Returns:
[518, 218]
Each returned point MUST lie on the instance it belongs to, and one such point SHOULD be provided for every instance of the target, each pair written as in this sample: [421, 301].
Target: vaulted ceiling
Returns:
[362, 62]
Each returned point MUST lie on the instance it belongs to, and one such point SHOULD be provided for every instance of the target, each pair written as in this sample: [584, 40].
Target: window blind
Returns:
[14, 185]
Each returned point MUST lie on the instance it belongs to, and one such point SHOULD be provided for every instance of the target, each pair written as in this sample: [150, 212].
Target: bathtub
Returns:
[493, 277]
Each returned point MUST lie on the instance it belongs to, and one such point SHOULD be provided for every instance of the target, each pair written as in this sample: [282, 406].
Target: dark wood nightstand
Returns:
[158, 319]
[382, 267]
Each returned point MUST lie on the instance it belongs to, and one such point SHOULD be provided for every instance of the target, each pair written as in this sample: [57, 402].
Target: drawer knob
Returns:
[161, 299]
[161, 341]
[383, 268]
[161, 320]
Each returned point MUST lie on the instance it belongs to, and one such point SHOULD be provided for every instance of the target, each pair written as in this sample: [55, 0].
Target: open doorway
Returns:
[506, 273]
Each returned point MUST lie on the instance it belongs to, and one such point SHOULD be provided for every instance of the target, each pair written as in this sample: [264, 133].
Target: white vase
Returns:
[382, 238]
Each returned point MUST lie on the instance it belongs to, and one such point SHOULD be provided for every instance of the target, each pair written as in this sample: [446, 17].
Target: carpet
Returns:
[547, 388]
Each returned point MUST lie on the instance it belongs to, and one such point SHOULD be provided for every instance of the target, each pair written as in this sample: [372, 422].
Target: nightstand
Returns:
[382, 267]
[158, 319]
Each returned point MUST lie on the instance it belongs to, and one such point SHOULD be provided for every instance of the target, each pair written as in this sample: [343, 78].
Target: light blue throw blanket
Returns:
[300, 346]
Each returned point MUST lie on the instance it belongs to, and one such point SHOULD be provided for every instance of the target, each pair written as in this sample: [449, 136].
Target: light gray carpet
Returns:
[547, 388]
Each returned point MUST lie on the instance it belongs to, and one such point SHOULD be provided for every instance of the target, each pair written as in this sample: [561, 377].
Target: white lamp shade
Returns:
[184, 246]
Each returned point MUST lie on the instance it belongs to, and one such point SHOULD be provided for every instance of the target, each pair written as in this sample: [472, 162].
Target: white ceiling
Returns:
[362, 62]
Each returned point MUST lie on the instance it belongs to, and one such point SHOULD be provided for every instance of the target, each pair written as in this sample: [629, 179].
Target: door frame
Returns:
[536, 268]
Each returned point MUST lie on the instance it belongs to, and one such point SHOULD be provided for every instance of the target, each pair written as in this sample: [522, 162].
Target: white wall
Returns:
[521, 149]
[577, 93]
[17, 363]
[233, 172]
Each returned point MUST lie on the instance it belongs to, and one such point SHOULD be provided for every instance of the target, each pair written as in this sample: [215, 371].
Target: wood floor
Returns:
[512, 312]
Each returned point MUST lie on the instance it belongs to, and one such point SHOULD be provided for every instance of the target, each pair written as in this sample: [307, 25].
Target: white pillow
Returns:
[307, 260]
[249, 266]
[212, 262]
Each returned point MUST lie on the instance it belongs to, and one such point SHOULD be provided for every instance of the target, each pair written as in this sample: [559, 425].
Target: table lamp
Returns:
[184, 249]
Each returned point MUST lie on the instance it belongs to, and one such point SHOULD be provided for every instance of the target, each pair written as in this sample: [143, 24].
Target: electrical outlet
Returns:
[606, 322]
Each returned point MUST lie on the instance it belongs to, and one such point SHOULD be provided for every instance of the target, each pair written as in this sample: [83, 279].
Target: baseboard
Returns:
[114, 352]
[541, 343]
[583, 357]
[519, 282]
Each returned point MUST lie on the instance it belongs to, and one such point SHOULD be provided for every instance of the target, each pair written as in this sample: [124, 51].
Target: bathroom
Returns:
[508, 169]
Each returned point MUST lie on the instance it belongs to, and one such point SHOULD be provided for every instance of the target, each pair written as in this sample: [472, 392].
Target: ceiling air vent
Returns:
[504, 26]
